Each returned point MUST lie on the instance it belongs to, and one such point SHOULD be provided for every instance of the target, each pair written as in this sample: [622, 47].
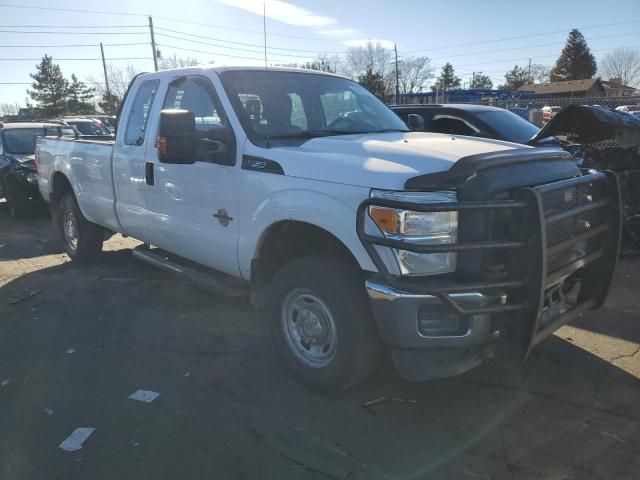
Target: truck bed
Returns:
[87, 163]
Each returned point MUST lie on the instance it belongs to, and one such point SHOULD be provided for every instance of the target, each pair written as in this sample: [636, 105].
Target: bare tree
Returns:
[622, 64]
[119, 80]
[540, 73]
[177, 62]
[372, 57]
[8, 109]
[414, 73]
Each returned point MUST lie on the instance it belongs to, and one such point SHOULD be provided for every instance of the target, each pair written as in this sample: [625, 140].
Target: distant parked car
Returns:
[628, 108]
[108, 121]
[18, 179]
[549, 112]
[471, 120]
[87, 126]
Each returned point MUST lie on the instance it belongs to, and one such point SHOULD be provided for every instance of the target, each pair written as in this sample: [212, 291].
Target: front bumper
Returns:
[556, 250]
[426, 342]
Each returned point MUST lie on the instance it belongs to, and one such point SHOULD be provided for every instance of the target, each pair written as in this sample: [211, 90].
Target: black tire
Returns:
[18, 205]
[89, 235]
[340, 287]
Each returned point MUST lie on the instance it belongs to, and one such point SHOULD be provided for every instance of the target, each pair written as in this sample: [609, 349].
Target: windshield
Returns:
[90, 128]
[509, 126]
[22, 140]
[291, 104]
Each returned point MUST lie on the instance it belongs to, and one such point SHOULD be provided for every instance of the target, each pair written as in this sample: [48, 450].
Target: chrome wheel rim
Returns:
[309, 328]
[70, 228]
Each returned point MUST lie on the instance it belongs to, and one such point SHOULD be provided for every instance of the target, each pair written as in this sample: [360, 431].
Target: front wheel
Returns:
[81, 238]
[322, 324]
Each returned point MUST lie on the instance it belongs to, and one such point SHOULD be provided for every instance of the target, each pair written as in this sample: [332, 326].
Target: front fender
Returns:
[327, 212]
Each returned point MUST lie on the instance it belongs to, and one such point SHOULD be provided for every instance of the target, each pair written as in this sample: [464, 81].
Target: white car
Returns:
[350, 233]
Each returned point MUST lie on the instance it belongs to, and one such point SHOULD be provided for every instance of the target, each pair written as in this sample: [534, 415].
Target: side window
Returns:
[452, 125]
[298, 115]
[196, 95]
[334, 104]
[139, 112]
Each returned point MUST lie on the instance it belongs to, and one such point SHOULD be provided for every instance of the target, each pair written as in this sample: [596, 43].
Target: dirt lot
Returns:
[227, 409]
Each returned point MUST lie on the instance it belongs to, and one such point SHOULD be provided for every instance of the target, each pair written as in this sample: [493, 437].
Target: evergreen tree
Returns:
[515, 78]
[79, 97]
[447, 79]
[374, 82]
[110, 103]
[481, 81]
[576, 61]
[50, 88]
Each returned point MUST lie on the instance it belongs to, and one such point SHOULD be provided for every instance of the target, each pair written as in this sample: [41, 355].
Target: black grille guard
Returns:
[527, 278]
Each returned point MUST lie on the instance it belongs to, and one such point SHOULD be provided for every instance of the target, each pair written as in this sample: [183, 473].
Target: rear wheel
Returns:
[322, 324]
[17, 204]
[81, 238]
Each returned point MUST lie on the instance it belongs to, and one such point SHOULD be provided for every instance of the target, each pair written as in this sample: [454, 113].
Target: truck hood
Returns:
[384, 160]
[589, 124]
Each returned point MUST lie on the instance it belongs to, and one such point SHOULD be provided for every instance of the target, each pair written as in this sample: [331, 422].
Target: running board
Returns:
[220, 283]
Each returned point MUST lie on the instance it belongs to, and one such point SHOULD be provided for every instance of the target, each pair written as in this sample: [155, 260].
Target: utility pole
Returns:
[153, 44]
[395, 48]
[529, 75]
[473, 79]
[104, 68]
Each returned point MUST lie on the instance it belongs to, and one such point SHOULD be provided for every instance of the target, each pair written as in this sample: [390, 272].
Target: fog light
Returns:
[437, 320]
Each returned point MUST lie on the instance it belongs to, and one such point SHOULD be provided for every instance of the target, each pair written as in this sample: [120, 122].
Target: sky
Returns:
[489, 36]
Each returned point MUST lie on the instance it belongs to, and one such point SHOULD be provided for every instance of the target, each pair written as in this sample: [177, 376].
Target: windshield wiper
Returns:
[385, 130]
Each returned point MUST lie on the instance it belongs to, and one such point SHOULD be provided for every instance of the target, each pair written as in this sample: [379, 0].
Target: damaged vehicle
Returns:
[350, 234]
[597, 137]
[604, 139]
[18, 179]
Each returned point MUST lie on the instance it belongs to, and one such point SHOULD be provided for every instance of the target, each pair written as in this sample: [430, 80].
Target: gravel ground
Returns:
[91, 336]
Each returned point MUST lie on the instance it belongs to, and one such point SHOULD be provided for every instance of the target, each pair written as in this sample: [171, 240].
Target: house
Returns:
[615, 88]
[591, 87]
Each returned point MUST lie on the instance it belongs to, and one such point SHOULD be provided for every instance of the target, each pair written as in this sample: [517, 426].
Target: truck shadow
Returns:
[227, 403]
[31, 237]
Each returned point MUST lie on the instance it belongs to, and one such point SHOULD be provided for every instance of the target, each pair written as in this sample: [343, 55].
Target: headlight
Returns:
[32, 177]
[425, 228]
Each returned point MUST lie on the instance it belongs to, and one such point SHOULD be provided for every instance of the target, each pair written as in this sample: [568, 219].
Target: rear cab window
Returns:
[139, 112]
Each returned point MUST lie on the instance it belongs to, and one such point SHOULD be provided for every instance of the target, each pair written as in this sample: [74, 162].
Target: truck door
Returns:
[129, 171]
[193, 208]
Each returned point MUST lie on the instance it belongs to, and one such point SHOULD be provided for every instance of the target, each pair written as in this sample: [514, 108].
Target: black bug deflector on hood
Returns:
[588, 124]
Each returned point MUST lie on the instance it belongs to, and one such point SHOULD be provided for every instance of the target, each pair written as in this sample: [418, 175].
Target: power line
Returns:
[69, 59]
[522, 36]
[75, 45]
[223, 46]
[73, 33]
[220, 54]
[233, 43]
[209, 25]
[77, 10]
[529, 46]
[72, 26]
[538, 56]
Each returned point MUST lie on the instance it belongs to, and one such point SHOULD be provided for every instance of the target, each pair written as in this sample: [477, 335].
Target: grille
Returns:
[556, 202]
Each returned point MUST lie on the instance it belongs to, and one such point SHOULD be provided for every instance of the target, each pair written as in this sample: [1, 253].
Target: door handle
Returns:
[148, 173]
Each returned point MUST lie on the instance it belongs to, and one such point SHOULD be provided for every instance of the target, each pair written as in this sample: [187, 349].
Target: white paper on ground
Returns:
[71, 350]
[5, 382]
[74, 441]
[144, 396]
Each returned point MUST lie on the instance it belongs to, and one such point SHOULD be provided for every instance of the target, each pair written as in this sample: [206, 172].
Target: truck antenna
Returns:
[264, 31]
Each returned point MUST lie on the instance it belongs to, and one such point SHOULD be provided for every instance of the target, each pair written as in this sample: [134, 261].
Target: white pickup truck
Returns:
[351, 234]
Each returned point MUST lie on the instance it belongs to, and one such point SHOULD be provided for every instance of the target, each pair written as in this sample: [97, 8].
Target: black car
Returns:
[18, 178]
[472, 120]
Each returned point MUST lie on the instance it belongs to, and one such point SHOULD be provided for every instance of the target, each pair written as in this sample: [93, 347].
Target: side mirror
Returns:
[415, 122]
[177, 137]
